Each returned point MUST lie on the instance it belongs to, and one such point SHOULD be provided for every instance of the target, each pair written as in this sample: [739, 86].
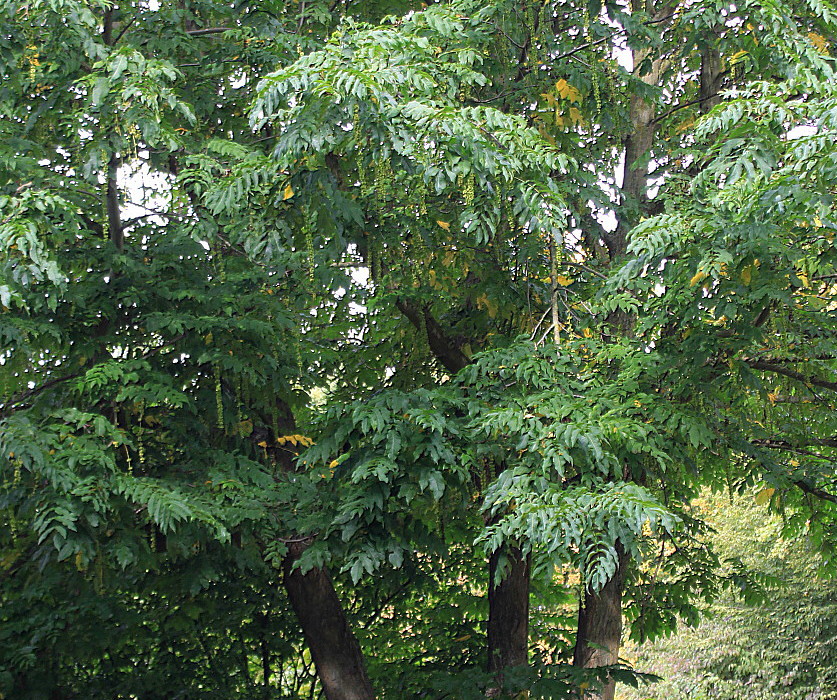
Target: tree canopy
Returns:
[377, 349]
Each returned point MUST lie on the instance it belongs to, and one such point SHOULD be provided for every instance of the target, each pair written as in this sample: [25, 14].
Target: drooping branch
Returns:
[777, 443]
[209, 31]
[115, 231]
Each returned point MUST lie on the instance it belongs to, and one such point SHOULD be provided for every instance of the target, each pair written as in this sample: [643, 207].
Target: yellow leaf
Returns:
[764, 496]
[820, 42]
[288, 193]
[738, 57]
[587, 333]
[444, 224]
[575, 115]
[484, 302]
[688, 124]
[747, 274]
[564, 281]
[567, 91]
[334, 464]
[550, 100]
[208, 338]
[698, 278]
[263, 443]
[573, 94]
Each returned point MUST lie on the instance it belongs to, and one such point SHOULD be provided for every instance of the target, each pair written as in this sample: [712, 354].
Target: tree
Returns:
[789, 657]
[389, 235]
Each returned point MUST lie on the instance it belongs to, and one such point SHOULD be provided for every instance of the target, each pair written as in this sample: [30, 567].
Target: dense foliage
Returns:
[783, 647]
[404, 310]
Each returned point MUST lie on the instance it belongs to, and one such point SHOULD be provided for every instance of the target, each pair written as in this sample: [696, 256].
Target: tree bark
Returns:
[508, 619]
[600, 627]
[335, 650]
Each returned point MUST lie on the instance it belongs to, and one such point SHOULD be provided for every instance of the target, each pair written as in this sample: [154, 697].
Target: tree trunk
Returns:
[508, 601]
[508, 612]
[600, 626]
[334, 649]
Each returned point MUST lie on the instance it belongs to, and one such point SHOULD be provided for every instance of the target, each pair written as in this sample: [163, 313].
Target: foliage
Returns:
[782, 647]
[357, 279]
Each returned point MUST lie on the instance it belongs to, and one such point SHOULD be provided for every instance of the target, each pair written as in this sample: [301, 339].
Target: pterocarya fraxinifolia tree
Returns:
[415, 313]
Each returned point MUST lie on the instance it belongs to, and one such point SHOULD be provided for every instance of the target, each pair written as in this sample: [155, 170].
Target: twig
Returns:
[208, 31]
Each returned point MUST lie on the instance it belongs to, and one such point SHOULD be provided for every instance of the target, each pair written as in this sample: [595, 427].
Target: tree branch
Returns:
[208, 31]
[814, 491]
[443, 347]
[798, 376]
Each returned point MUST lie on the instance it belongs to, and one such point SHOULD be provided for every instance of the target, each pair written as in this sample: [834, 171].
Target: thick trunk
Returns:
[334, 649]
[600, 627]
[711, 76]
[508, 616]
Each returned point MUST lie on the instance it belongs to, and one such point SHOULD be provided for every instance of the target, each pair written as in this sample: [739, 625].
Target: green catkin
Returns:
[421, 191]
[383, 185]
[309, 245]
[13, 524]
[219, 398]
[356, 121]
[238, 416]
[469, 189]
[530, 28]
[140, 443]
[594, 75]
[100, 571]
[363, 176]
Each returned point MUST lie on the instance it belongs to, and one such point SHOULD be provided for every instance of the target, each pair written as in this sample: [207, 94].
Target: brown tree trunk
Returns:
[711, 77]
[334, 649]
[600, 627]
[508, 612]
